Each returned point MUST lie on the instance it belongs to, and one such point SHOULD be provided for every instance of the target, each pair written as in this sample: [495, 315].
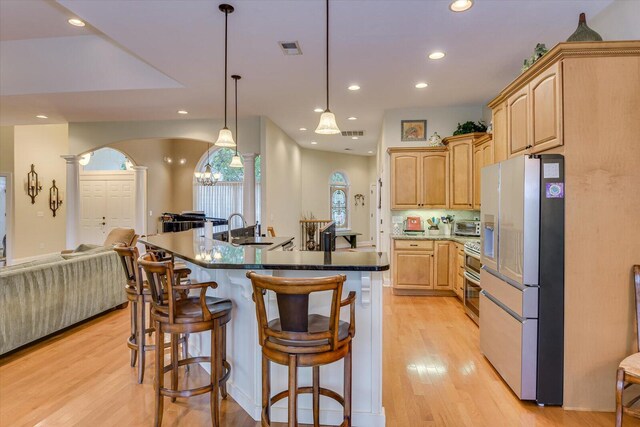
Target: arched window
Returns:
[224, 198]
[339, 200]
[105, 159]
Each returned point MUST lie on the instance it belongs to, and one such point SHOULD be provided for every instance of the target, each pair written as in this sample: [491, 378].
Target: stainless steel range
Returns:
[472, 279]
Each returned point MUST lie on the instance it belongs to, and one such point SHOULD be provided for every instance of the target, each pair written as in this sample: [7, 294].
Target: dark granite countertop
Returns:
[193, 247]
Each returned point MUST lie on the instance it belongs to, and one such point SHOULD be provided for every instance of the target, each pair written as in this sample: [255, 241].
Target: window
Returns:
[339, 200]
[105, 159]
[224, 198]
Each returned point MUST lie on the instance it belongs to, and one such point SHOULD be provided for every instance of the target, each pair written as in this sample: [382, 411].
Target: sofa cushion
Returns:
[48, 259]
[93, 251]
[120, 235]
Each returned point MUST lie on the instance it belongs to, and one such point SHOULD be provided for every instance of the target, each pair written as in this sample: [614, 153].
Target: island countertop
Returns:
[208, 253]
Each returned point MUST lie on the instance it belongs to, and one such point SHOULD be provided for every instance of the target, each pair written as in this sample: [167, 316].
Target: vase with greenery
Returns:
[470, 127]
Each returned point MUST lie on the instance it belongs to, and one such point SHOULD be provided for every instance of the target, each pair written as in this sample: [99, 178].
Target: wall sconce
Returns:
[167, 159]
[359, 199]
[55, 200]
[33, 184]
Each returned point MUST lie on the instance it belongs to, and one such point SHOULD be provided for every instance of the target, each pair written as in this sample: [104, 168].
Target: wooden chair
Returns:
[629, 368]
[139, 296]
[176, 316]
[301, 339]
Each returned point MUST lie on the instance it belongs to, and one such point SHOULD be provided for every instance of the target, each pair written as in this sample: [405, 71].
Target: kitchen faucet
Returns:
[244, 224]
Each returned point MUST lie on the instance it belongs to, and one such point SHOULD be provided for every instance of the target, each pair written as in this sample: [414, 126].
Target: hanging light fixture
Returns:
[236, 161]
[327, 125]
[225, 138]
[207, 178]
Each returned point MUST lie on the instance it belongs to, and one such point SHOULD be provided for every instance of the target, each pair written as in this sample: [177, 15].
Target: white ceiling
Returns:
[145, 59]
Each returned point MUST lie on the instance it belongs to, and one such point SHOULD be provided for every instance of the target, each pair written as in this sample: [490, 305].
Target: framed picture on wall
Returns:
[413, 130]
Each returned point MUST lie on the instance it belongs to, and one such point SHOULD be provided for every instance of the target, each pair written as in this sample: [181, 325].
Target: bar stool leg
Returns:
[316, 396]
[174, 363]
[293, 391]
[140, 340]
[266, 387]
[134, 332]
[215, 376]
[185, 350]
[347, 386]
[223, 357]
[159, 378]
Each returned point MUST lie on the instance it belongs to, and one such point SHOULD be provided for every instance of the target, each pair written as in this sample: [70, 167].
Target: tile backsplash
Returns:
[438, 213]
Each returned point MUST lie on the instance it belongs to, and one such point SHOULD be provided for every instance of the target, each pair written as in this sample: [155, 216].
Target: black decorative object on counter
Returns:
[54, 198]
[583, 33]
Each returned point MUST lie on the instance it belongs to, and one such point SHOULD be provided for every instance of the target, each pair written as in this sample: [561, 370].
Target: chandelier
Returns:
[207, 178]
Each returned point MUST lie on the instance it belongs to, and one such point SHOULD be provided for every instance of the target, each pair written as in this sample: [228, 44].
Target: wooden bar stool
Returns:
[177, 316]
[297, 339]
[139, 297]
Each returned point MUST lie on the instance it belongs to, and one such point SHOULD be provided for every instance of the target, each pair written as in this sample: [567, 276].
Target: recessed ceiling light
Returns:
[318, 110]
[354, 87]
[436, 55]
[421, 85]
[183, 112]
[370, 152]
[303, 129]
[354, 137]
[76, 22]
[313, 143]
[460, 5]
[352, 118]
[41, 116]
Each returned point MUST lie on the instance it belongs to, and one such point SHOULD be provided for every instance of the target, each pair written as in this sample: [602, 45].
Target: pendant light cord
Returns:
[327, 4]
[236, 89]
[226, 16]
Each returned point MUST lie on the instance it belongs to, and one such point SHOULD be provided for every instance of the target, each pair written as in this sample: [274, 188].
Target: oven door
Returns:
[472, 262]
[472, 295]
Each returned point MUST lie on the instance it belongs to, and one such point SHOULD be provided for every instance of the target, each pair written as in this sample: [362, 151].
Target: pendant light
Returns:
[327, 125]
[225, 138]
[236, 162]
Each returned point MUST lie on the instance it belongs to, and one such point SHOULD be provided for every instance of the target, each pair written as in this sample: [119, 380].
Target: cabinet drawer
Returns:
[414, 245]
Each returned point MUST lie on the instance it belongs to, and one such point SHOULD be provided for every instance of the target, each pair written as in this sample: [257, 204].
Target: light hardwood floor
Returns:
[434, 375]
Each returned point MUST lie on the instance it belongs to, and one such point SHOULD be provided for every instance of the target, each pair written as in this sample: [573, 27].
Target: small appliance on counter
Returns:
[466, 228]
[413, 225]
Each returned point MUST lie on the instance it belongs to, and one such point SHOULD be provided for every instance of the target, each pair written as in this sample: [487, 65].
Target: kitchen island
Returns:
[227, 264]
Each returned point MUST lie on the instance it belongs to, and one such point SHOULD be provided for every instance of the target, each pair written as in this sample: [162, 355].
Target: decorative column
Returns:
[140, 196]
[249, 188]
[72, 200]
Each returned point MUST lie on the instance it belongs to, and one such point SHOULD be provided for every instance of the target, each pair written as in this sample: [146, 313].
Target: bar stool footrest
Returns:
[186, 393]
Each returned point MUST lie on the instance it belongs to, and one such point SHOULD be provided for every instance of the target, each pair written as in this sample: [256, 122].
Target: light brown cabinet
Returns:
[458, 270]
[534, 114]
[500, 146]
[442, 265]
[461, 169]
[482, 156]
[413, 265]
[419, 178]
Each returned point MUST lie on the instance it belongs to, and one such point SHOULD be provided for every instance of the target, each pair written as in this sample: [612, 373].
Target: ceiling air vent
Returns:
[352, 133]
[290, 48]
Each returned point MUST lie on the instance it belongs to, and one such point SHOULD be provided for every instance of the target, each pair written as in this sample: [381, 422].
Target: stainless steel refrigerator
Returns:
[522, 277]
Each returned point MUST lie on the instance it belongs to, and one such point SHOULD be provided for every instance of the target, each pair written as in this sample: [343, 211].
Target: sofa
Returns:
[41, 297]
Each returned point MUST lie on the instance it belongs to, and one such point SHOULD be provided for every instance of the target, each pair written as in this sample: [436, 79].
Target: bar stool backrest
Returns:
[129, 258]
[293, 305]
[160, 277]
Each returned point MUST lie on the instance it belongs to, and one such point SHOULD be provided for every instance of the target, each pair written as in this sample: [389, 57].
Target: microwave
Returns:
[466, 228]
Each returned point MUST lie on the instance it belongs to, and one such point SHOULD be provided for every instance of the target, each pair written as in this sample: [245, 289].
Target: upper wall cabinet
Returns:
[527, 119]
[405, 180]
[482, 156]
[419, 178]
[461, 169]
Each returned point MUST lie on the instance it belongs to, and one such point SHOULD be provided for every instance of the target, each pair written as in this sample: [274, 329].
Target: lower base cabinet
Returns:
[422, 267]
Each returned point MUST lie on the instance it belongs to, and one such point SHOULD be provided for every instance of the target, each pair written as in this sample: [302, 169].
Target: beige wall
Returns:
[6, 149]
[36, 231]
[281, 180]
[618, 21]
[317, 167]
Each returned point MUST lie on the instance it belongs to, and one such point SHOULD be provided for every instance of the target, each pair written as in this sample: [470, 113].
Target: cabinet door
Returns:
[435, 185]
[478, 162]
[461, 175]
[546, 106]
[413, 269]
[500, 146]
[518, 122]
[405, 183]
[442, 266]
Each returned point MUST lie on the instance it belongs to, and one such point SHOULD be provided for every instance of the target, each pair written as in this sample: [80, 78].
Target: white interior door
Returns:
[372, 212]
[93, 210]
[106, 202]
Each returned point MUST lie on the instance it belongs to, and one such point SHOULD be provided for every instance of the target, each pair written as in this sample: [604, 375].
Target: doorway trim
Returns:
[9, 217]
